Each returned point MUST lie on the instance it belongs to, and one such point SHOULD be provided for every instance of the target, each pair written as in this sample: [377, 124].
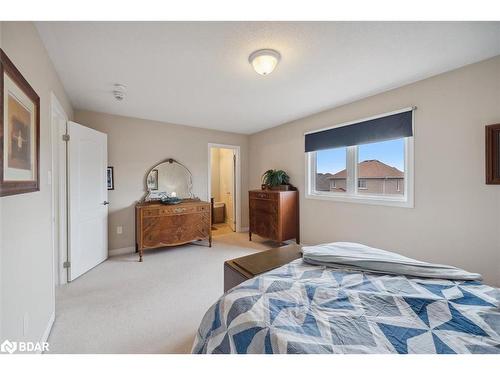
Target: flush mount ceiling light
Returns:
[264, 60]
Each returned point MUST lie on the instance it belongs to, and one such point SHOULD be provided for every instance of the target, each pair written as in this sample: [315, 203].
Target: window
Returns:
[375, 172]
[328, 164]
[382, 164]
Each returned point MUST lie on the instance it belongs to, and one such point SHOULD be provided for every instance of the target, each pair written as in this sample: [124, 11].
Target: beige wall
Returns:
[135, 145]
[26, 242]
[456, 219]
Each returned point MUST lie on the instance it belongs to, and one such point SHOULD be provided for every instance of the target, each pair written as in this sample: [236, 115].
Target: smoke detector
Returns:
[119, 91]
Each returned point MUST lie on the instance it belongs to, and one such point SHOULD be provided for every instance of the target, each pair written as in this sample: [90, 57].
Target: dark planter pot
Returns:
[280, 187]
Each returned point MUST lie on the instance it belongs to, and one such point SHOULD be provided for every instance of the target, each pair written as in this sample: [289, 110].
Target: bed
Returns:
[346, 308]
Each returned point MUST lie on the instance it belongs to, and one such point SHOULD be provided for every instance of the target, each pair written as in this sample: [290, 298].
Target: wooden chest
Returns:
[241, 269]
[274, 214]
[159, 225]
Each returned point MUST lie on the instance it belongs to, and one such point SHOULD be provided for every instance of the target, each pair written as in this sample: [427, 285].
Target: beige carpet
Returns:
[220, 229]
[123, 306]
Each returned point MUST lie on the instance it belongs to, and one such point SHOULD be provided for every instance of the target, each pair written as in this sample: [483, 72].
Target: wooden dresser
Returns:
[159, 225]
[274, 214]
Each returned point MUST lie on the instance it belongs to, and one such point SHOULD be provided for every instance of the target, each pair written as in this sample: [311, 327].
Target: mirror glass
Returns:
[169, 178]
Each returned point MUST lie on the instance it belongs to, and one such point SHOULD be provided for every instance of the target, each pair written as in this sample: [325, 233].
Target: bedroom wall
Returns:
[456, 219]
[135, 145]
[27, 288]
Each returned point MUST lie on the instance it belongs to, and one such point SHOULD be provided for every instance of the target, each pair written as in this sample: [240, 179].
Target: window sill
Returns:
[371, 200]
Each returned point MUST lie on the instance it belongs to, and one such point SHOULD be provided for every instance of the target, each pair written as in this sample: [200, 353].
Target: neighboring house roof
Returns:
[372, 169]
[323, 181]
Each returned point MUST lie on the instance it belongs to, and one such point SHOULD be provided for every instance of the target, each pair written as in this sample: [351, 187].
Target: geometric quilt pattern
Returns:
[301, 308]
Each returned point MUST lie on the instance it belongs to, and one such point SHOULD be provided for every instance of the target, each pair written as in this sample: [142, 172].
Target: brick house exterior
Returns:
[374, 177]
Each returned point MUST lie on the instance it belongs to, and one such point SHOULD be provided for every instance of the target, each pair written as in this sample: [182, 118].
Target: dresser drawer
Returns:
[174, 210]
[204, 208]
[148, 212]
[263, 206]
[263, 195]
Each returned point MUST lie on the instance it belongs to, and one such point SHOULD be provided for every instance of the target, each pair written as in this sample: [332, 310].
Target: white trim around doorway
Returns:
[58, 185]
[237, 188]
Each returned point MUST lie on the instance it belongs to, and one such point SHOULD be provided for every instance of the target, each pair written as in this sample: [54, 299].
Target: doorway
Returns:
[79, 196]
[223, 187]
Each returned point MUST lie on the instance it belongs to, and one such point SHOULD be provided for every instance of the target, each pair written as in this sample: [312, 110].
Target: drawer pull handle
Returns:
[179, 209]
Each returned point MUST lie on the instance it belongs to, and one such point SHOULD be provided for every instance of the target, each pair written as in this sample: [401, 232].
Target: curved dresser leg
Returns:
[140, 255]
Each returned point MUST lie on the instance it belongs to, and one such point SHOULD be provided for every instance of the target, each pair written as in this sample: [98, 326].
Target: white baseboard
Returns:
[244, 229]
[46, 333]
[121, 251]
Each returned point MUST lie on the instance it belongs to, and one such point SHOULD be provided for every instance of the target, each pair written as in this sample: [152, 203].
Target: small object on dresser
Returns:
[170, 200]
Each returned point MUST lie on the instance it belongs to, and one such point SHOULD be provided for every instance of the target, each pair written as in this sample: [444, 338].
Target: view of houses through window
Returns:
[380, 169]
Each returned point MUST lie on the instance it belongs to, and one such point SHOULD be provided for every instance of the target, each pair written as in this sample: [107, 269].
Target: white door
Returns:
[88, 199]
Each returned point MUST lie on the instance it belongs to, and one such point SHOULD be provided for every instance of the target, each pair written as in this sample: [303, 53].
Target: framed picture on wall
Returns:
[493, 154]
[19, 132]
[110, 178]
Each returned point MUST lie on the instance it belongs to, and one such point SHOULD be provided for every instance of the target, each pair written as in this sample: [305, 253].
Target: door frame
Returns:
[59, 193]
[237, 187]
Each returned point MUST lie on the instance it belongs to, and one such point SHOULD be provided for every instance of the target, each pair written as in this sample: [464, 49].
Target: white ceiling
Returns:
[197, 73]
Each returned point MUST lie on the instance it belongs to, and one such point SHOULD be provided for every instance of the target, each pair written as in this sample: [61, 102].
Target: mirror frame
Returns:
[171, 161]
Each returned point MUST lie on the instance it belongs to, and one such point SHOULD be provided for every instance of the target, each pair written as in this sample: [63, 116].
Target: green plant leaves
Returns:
[273, 177]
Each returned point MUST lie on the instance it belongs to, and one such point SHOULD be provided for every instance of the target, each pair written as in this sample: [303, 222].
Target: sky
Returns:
[388, 152]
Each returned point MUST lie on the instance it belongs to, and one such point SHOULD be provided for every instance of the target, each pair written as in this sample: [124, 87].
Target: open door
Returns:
[224, 182]
[87, 199]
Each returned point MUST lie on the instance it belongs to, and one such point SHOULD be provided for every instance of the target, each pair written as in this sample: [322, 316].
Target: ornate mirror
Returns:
[168, 178]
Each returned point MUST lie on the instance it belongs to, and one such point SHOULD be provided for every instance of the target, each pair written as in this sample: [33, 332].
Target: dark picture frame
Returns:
[110, 178]
[19, 132]
[493, 154]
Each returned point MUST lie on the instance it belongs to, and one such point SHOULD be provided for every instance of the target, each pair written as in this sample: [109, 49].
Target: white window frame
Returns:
[351, 194]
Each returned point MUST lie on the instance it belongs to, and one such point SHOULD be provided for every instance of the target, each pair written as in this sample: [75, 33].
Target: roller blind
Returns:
[398, 125]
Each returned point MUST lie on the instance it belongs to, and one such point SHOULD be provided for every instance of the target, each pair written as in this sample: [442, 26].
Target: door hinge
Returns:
[65, 137]
[67, 264]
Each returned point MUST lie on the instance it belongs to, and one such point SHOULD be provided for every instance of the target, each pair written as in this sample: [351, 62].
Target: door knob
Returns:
[105, 203]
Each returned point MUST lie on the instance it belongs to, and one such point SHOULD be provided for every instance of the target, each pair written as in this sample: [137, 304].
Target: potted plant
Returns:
[276, 179]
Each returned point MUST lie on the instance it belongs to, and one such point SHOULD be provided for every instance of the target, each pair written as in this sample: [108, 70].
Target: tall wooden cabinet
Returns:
[274, 214]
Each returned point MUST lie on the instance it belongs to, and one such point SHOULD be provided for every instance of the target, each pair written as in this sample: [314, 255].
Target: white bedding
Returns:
[355, 256]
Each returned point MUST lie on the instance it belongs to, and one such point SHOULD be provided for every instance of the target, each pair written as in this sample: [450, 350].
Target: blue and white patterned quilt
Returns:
[302, 308]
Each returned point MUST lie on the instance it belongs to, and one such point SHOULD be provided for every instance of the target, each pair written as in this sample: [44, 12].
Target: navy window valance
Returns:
[398, 125]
